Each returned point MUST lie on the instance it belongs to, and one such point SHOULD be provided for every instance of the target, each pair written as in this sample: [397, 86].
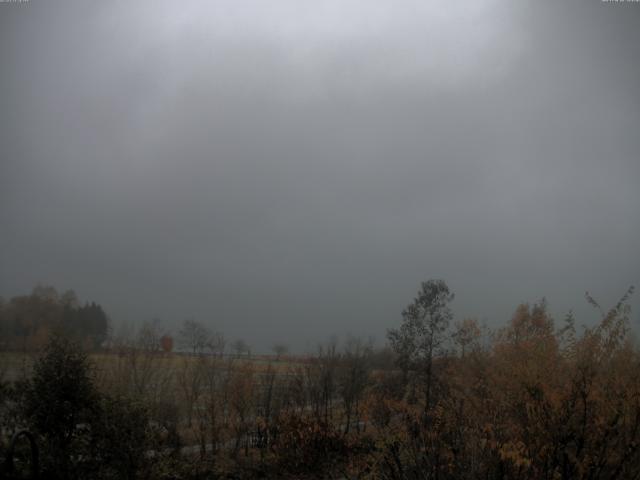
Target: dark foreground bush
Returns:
[305, 445]
[82, 433]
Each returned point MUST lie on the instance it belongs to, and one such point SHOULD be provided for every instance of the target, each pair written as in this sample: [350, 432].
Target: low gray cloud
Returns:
[290, 170]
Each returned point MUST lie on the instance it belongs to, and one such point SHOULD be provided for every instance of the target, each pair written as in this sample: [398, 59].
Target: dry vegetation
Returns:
[532, 400]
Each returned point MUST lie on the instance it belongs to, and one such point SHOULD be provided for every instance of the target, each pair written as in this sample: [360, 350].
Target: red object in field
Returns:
[166, 342]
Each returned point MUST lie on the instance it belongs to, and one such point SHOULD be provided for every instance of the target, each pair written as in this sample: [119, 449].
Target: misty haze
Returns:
[319, 239]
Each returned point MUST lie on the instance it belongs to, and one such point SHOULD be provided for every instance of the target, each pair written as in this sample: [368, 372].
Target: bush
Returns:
[304, 444]
[122, 438]
[82, 433]
[58, 403]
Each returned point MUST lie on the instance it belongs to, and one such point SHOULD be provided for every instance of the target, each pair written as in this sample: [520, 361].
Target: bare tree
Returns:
[422, 332]
[466, 335]
[141, 366]
[241, 404]
[354, 378]
[268, 406]
[201, 379]
[280, 349]
[194, 336]
[241, 347]
[190, 377]
[321, 381]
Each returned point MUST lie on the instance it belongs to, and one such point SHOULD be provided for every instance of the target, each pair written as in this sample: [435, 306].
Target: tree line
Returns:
[447, 399]
[27, 321]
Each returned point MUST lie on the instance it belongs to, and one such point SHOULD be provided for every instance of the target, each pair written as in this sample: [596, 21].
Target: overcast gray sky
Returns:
[285, 170]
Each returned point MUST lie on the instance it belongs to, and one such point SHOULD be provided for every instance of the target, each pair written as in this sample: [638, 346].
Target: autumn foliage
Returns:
[28, 321]
[539, 402]
[450, 399]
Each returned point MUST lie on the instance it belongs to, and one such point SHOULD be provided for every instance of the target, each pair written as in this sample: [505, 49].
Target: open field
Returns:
[17, 365]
